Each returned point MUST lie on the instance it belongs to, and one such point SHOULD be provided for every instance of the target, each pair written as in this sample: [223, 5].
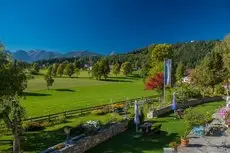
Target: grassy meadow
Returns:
[73, 93]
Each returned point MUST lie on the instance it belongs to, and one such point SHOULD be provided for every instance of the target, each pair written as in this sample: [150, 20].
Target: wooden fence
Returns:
[78, 112]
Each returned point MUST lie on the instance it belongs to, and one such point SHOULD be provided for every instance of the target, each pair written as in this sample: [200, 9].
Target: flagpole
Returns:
[164, 83]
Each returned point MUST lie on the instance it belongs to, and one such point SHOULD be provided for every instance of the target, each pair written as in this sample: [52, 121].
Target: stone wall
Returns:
[86, 143]
[186, 104]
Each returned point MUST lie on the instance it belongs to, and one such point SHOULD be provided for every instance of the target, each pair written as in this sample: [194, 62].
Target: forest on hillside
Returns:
[188, 53]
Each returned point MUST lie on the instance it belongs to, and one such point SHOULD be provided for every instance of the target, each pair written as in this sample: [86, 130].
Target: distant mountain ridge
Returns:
[35, 55]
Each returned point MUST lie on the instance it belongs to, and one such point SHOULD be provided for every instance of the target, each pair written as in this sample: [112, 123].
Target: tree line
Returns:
[188, 53]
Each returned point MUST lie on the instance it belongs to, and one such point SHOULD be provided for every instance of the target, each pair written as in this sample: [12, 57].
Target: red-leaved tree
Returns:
[155, 82]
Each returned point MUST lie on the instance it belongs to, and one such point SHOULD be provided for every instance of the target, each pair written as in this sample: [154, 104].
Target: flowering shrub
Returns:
[225, 113]
[196, 118]
[91, 127]
[227, 117]
[101, 111]
[118, 106]
[227, 121]
[222, 112]
[155, 82]
[98, 112]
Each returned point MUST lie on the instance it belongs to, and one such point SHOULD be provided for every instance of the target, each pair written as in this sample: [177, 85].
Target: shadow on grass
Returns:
[4, 142]
[39, 141]
[125, 142]
[113, 80]
[35, 94]
[65, 90]
[73, 77]
[125, 78]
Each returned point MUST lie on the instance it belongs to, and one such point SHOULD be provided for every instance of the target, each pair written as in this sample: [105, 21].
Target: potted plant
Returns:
[188, 122]
[184, 139]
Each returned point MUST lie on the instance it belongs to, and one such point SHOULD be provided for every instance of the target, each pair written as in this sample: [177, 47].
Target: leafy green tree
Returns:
[89, 71]
[60, 69]
[225, 49]
[69, 70]
[104, 68]
[54, 69]
[115, 69]
[96, 71]
[101, 68]
[49, 81]
[49, 70]
[158, 67]
[13, 82]
[35, 69]
[126, 68]
[180, 70]
[76, 64]
[210, 72]
[160, 52]
[77, 72]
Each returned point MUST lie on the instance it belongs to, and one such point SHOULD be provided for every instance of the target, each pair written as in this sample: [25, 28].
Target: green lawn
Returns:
[74, 93]
[172, 129]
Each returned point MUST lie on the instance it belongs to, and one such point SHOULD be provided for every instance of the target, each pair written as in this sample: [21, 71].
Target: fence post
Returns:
[65, 115]
[49, 118]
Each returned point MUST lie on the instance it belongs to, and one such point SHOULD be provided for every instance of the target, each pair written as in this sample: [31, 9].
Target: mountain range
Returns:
[35, 55]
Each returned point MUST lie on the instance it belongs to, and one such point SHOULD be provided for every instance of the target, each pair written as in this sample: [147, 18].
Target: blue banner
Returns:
[167, 71]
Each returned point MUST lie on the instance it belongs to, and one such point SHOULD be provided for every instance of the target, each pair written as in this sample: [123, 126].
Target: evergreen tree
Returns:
[180, 70]
[210, 72]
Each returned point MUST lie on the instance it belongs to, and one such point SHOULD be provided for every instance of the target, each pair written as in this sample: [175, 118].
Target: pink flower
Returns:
[222, 112]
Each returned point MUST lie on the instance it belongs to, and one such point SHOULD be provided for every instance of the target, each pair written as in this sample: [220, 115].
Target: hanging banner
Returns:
[167, 71]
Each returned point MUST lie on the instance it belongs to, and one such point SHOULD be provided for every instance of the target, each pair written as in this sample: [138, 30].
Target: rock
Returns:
[169, 150]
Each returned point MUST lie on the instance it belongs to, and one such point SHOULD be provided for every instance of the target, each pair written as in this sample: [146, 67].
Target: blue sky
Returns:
[104, 26]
